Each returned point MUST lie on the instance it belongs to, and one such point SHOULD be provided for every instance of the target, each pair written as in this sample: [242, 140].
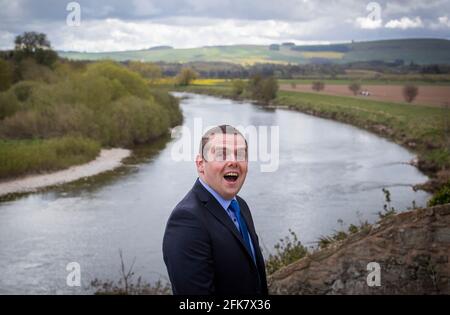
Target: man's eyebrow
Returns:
[230, 145]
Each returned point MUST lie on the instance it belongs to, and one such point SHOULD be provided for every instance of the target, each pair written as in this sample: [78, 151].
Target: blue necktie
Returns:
[234, 207]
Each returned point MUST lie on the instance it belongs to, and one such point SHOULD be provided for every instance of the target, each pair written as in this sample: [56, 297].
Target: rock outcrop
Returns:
[412, 250]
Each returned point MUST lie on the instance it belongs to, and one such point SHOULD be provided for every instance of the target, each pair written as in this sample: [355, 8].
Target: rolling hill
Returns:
[419, 51]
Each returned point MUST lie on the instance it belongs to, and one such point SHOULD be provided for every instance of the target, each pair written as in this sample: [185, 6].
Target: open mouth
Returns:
[231, 177]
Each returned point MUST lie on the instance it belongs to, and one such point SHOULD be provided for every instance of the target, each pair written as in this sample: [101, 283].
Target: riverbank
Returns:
[108, 159]
[407, 252]
[421, 129]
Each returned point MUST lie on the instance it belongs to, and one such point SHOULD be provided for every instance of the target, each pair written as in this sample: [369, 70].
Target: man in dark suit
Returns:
[210, 244]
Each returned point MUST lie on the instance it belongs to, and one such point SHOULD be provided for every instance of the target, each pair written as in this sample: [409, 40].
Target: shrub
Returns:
[410, 92]
[29, 69]
[170, 104]
[388, 210]
[355, 88]
[9, 104]
[186, 76]
[6, 74]
[238, 87]
[133, 120]
[269, 89]
[318, 86]
[147, 70]
[108, 103]
[263, 89]
[33, 156]
[131, 81]
[441, 197]
[287, 251]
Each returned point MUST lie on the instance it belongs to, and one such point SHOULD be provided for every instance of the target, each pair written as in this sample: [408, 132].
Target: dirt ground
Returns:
[428, 95]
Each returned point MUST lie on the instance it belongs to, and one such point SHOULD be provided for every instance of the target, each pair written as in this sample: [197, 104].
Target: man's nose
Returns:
[232, 160]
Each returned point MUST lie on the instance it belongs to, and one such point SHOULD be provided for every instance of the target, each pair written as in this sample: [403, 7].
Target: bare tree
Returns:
[186, 76]
[410, 92]
[126, 276]
[318, 86]
[355, 88]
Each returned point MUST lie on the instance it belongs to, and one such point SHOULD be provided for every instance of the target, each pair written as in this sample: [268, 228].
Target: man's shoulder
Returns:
[190, 205]
[242, 202]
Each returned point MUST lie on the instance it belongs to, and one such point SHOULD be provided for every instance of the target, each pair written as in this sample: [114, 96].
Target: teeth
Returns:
[231, 174]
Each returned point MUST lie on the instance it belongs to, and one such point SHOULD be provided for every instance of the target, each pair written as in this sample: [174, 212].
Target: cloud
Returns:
[368, 23]
[6, 40]
[444, 20]
[137, 24]
[115, 34]
[405, 23]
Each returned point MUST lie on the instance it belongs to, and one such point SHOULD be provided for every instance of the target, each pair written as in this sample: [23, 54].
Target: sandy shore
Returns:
[107, 160]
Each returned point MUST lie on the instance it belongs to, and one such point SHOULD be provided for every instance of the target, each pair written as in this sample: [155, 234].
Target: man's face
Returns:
[224, 164]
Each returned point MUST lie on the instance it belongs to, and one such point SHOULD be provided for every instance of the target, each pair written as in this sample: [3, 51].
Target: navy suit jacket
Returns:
[205, 253]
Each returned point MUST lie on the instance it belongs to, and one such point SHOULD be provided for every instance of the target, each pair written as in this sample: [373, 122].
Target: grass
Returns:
[19, 157]
[287, 251]
[420, 51]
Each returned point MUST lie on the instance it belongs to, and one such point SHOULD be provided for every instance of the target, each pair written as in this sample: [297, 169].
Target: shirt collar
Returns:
[222, 201]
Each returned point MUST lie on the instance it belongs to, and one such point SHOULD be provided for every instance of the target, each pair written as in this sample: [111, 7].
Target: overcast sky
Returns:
[139, 24]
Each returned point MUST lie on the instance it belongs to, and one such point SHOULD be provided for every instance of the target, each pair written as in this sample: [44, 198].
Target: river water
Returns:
[329, 175]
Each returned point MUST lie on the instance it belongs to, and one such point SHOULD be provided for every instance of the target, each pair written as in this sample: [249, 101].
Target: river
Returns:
[329, 175]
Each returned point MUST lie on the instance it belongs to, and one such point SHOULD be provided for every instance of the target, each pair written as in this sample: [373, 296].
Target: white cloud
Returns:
[115, 34]
[444, 21]
[6, 40]
[137, 24]
[368, 23]
[405, 23]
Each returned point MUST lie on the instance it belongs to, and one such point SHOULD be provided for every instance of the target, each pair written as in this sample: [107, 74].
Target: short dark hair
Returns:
[223, 130]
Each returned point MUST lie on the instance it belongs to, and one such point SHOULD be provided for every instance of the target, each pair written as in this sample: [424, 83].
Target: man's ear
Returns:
[200, 163]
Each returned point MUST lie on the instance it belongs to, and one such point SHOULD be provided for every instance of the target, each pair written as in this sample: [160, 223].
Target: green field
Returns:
[420, 51]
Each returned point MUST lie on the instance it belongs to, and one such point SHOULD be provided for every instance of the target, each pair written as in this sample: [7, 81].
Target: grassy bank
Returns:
[421, 129]
[19, 157]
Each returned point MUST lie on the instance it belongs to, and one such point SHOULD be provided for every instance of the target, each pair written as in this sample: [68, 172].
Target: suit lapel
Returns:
[220, 214]
[251, 228]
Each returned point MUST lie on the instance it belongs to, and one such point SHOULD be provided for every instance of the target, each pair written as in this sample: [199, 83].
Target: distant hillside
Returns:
[419, 51]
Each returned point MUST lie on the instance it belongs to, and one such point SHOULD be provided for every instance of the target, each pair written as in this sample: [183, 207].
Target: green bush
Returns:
[134, 121]
[107, 103]
[35, 156]
[29, 69]
[186, 76]
[441, 197]
[6, 74]
[9, 104]
[170, 104]
[263, 89]
[318, 86]
[287, 251]
[238, 87]
[131, 81]
[148, 70]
